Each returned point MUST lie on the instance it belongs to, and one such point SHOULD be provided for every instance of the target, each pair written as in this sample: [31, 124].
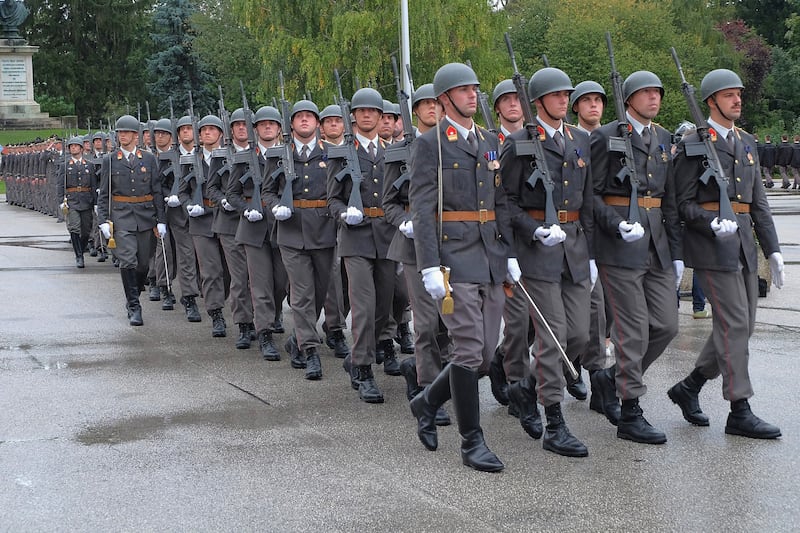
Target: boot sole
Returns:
[740, 433]
[687, 417]
[625, 436]
[566, 453]
[480, 468]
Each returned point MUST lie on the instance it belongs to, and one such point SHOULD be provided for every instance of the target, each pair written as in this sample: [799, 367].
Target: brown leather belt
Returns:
[481, 216]
[738, 207]
[79, 189]
[647, 202]
[133, 199]
[308, 204]
[563, 216]
[248, 198]
[373, 212]
[208, 203]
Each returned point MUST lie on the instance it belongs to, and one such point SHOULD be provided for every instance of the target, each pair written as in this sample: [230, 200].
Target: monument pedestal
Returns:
[18, 109]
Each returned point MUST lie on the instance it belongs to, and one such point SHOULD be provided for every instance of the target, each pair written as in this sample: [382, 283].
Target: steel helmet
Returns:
[423, 92]
[641, 79]
[163, 124]
[267, 112]
[453, 75]
[185, 120]
[76, 140]
[367, 97]
[719, 79]
[127, 123]
[548, 80]
[305, 105]
[587, 87]
[238, 115]
[504, 87]
[332, 110]
[210, 120]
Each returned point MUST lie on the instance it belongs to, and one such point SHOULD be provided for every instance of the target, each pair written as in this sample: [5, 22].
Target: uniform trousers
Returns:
[239, 294]
[594, 357]
[644, 309]
[309, 274]
[262, 292]
[209, 259]
[133, 248]
[565, 307]
[474, 324]
[371, 287]
[517, 336]
[336, 306]
[185, 256]
[734, 298]
[80, 222]
[431, 342]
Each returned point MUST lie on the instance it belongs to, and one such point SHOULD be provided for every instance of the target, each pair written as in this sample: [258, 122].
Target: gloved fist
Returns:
[64, 206]
[433, 279]
[776, 268]
[173, 201]
[513, 272]
[281, 212]
[592, 273]
[352, 216]
[253, 215]
[679, 268]
[630, 232]
[550, 236]
[226, 205]
[407, 229]
[195, 210]
[724, 227]
[105, 229]
[162, 230]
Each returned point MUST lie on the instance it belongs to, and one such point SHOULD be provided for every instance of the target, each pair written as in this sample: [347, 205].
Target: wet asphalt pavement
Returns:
[104, 426]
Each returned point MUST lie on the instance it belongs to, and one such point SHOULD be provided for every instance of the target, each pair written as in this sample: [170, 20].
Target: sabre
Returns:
[564, 358]
[166, 268]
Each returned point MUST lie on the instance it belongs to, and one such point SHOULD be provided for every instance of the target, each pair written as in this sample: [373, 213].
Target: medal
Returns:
[581, 163]
[491, 157]
[664, 154]
[322, 164]
[749, 154]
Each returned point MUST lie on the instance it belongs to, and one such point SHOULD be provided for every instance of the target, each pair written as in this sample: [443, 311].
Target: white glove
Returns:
[64, 205]
[281, 212]
[195, 210]
[433, 279]
[226, 205]
[513, 272]
[253, 215]
[631, 232]
[407, 229]
[162, 229]
[776, 267]
[724, 227]
[550, 236]
[679, 268]
[592, 273]
[173, 201]
[105, 228]
[352, 216]
[95, 210]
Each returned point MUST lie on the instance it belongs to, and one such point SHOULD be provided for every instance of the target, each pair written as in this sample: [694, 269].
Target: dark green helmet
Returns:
[305, 105]
[267, 112]
[641, 79]
[210, 120]
[423, 92]
[127, 123]
[587, 87]
[717, 80]
[453, 75]
[502, 88]
[332, 110]
[548, 80]
[389, 109]
[163, 124]
[185, 120]
[367, 98]
[238, 115]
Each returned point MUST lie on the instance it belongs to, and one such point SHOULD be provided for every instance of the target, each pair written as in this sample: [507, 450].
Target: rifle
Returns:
[622, 143]
[545, 61]
[250, 157]
[139, 144]
[401, 152]
[483, 104]
[150, 129]
[705, 147]
[533, 145]
[171, 155]
[225, 150]
[285, 152]
[347, 151]
[195, 160]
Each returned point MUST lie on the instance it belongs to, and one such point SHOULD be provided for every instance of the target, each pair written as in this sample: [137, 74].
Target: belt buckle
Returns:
[562, 216]
[483, 215]
[647, 202]
[372, 212]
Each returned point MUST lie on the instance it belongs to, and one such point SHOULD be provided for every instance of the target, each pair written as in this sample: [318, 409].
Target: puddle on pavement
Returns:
[149, 360]
[236, 416]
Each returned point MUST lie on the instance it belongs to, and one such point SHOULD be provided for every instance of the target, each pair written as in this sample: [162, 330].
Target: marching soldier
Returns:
[784, 161]
[768, 159]
[163, 259]
[130, 198]
[468, 207]
[639, 261]
[723, 254]
[76, 185]
[508, 109]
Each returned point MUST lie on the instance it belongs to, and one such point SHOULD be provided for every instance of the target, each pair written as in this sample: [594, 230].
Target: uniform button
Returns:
[649, 175]
[566, 182]
[444, 237]
[375, 180]
[481, 202]
[738, 196]
[478, 165]
[375, 194]
[374, 166]
[305, 190]
[480, 184]
[305, 164]
[566, 202]
[305, 177]
[735, 161]
[649, 193]
[738, 179]
[565, 164]
[455, 165]
[649, 157]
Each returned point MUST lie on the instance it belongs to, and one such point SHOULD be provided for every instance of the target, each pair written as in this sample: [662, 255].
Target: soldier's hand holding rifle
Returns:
[550, 236]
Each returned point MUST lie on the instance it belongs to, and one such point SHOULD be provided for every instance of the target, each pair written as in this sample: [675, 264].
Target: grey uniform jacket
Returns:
[200, 226]
[396, 181]
[702, 248]
[177, 216]
[78, 175]
[140, 178]
[240, 195]
[225, 222]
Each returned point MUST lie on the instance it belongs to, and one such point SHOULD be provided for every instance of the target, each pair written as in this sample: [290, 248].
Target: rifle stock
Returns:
[347, 151]
[286, 152]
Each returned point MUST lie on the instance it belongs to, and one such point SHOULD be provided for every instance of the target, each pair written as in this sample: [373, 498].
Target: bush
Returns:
[56, 106]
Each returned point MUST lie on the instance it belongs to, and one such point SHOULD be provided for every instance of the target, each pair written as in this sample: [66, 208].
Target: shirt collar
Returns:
[464, 132]
[551, 131]
[722, 131]
[638, 126]
[298, 144]
[363, 141]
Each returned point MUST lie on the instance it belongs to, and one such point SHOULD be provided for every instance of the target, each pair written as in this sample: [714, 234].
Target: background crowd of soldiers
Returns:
[338, 210]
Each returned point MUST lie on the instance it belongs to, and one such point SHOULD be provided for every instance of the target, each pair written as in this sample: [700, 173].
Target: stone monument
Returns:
[18, 109]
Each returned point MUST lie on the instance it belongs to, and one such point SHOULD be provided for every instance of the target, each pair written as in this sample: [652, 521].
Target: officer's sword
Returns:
[166, 268]
[564, 358]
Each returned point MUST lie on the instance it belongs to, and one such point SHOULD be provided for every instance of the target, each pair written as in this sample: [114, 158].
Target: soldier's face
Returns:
[589, 108]
[555, 104]
[386, 128]
[728, 102]
[239, 132]
[163, 139]
[427, 110]
[508, 107]
[98, 144]
[268, 130]
[209, 136]
[87, 145]
[463, 100]
[333, 127]
[127, 139]
[645, 103]
[304, 124]
[186, 135]
[367, 119]
[146, 137]
[75, 150]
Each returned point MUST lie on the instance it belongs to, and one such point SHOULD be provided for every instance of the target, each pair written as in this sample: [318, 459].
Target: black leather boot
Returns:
[497, 377]
[218, 326]
[102, 256]
[368, 390]
[338, 344]
[243, 342]
[523, 395]
[268, 349]
[464, 390]
[352, 373]
[685, 394]
[131, 285]
[405, 338]
[167, 299]
[742, 422]
[633, 426]
[78, 249]
[92, 249]
[190, 307]
[576, 387]
[425, 405]
[557, 438]
[296, 358]
[313, 364]
[154, 293]
[277, 325]
[603, 384]
[408, 367]
[390, 364]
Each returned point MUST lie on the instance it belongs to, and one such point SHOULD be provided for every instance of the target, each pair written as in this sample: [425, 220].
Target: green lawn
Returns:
[20, 136]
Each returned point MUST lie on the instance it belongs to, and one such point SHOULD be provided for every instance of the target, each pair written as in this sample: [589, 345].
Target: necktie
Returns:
[473, 141]
[305, 152]
[371, 149]
[731, 141]
[559, 139]
[131, 157]
[646, 136]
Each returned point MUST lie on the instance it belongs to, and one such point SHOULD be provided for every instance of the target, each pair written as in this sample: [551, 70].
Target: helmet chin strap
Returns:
[446, 93]
[714, 99]
[546, 112]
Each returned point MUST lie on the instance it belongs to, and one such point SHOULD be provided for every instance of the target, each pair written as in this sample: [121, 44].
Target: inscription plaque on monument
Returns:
[13, 79]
